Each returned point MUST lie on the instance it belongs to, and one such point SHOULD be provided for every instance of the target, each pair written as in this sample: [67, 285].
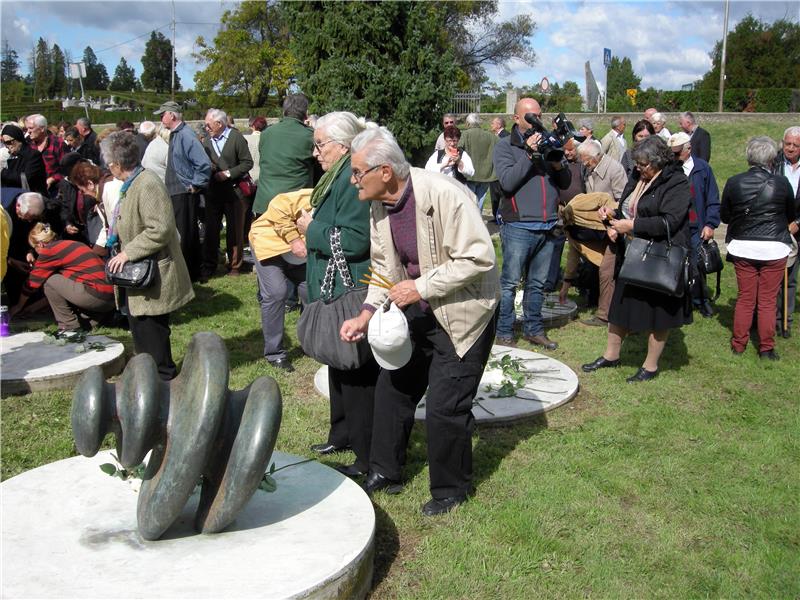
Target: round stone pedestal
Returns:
[552, 384]
[30, 365]
[69, 531]
[554, 314]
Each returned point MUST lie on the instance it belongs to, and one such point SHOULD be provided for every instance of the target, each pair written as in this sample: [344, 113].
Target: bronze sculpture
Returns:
[194, 425]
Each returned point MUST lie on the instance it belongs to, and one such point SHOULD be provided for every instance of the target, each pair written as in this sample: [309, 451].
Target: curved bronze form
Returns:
[194, 426]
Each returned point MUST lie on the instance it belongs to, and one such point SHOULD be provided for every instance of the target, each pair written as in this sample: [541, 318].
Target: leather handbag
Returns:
[661, 267]
[319, 325]
[134, 274]
[710, 261]
[247, 186]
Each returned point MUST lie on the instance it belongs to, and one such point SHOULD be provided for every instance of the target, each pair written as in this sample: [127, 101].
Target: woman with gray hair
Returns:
[142, 225]
[656, 197]
[758, 207]
[336, 208]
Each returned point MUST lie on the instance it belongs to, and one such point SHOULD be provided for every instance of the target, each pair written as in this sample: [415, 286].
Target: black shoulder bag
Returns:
[710, 261]
[662, 267]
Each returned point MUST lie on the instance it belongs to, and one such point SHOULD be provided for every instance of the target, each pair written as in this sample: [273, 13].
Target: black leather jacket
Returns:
[759, 206]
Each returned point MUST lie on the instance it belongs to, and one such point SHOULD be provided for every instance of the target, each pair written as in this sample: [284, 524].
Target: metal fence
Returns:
[466, 103]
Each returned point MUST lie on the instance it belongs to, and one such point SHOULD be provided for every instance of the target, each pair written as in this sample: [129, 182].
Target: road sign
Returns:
[77, 70]
[606, 57]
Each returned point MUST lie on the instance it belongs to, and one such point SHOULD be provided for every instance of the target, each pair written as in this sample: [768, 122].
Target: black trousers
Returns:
[451, 383]
[185, 207]
[352, 409]
[151, 336]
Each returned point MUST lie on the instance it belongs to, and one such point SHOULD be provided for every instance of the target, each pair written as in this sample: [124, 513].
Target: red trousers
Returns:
[759, 282]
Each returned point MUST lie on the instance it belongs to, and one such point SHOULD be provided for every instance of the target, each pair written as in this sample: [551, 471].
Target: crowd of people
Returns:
[329, 207]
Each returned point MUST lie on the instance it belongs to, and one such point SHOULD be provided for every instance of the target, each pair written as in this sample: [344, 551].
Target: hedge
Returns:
[703, 100]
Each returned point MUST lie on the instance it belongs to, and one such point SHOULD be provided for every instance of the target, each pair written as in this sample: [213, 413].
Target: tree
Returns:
[157, 74]
[96, 74]
[479, 40]
[621, 77]
[58, 84]
[758, 55]
[9, 66]
[250, 54]
[405, 81]
[42, 70]
[124, 78]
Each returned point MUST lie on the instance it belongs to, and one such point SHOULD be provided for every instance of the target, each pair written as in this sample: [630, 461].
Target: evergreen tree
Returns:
[250, 54]
[58, 86]
[9, 66]
[96, 74]
[42, 70]
[124, 78]
[405, 81]
[621, 77]
[157, 74]
[758, 55]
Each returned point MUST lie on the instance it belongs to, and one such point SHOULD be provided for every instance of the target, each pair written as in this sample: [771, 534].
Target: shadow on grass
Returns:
[207, 303]
[495, 442]
[675, 355]
[387, 545]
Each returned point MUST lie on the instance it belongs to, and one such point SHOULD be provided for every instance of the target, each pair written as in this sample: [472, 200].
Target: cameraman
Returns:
[529, 212]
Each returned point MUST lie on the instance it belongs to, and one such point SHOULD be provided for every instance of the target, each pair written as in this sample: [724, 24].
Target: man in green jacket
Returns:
[286, 161]
[479, 144]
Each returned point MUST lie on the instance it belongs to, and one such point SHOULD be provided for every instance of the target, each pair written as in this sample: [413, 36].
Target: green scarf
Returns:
[326, 181]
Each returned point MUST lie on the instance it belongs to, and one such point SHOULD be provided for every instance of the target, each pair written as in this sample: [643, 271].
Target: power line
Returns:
[131, 40]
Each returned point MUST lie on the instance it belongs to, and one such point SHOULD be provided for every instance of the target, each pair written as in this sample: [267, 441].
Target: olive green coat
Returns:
[146, 226]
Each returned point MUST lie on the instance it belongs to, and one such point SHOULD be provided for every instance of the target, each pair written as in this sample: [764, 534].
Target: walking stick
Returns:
[785, 298]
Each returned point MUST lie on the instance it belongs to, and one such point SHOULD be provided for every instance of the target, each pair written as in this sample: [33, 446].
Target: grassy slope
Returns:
[685, 487]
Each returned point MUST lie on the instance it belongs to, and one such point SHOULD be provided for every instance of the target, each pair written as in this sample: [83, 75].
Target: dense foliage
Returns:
[124, 78]
[157, 74]
[96, 74]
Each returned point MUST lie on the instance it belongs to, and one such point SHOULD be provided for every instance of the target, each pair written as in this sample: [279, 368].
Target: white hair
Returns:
[761, 151]
[587, 123]
[590, 148]
[658, 118]
[342, 127]
[793, 131]
[38, 120]
[30, 204]
[163, 133]
[217, 115]
[688, 116]
[473, 120]
[147, 129]
[616, 121]
[383, 150]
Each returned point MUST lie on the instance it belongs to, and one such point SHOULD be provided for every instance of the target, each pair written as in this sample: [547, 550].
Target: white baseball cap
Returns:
[389, 338]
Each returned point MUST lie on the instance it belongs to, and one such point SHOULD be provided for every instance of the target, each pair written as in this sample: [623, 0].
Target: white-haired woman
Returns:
[758, 207]
[659, 122]
[335, 205]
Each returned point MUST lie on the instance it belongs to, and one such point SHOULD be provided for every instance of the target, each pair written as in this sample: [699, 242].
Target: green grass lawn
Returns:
[684, 487]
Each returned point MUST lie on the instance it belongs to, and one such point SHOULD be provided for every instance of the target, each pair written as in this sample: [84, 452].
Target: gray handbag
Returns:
[319, 325]
[658, 266]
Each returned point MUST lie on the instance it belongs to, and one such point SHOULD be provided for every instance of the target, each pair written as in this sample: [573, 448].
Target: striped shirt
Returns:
[52, 154]
[73, 260]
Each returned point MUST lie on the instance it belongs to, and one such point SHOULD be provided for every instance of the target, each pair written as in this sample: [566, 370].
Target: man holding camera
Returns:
[529, 212]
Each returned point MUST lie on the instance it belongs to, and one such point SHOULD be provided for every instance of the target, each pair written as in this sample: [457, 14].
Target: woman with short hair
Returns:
[656, 198]
[758, 206]
[141, 226]
[452, 161]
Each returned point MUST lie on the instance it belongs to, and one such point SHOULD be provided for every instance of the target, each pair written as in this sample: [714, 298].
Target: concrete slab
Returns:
[69, 531]
[31, 365]
[553, 385]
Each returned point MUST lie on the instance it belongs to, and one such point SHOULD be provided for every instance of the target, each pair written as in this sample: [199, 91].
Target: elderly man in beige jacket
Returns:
[427, 236]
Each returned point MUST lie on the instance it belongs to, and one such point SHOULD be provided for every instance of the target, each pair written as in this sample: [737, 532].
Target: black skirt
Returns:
[638, 309]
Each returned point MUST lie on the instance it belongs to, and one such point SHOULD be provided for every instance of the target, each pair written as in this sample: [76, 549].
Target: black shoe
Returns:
[642, 375]
[376, 482]
[328, 448]
[435, 507]
[786, 333]
[283, 363]
[770, 354]
[292, 306]
[541, 340]
[349, 470]
[706, 309]
[599, 363]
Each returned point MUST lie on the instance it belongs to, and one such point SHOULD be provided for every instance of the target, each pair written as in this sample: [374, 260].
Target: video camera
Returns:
[552, 142]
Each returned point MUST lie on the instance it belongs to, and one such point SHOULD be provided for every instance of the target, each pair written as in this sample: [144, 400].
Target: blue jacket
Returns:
[190, 161]
[705, 196]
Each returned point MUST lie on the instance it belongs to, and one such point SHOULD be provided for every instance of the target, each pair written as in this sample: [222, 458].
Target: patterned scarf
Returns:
[327, 179]
[113, 234]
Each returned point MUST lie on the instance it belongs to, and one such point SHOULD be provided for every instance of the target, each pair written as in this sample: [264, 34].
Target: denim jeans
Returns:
[525, 254]
[479, 188]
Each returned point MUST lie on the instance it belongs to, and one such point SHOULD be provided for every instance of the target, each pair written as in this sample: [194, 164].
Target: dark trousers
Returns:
[151, 336]
[791, 295]
[274, 277]
[185, 207]
[451, 383]
[222, 200]
[352, 409]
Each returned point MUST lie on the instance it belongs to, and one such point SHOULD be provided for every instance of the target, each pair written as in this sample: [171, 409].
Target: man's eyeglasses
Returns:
[359, 175]
[319, 145]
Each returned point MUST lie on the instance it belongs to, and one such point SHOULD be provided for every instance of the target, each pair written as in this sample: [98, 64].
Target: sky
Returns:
[668, 42]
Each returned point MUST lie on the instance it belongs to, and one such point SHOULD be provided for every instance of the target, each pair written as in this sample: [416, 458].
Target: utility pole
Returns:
[722, 58]
[173, 50]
